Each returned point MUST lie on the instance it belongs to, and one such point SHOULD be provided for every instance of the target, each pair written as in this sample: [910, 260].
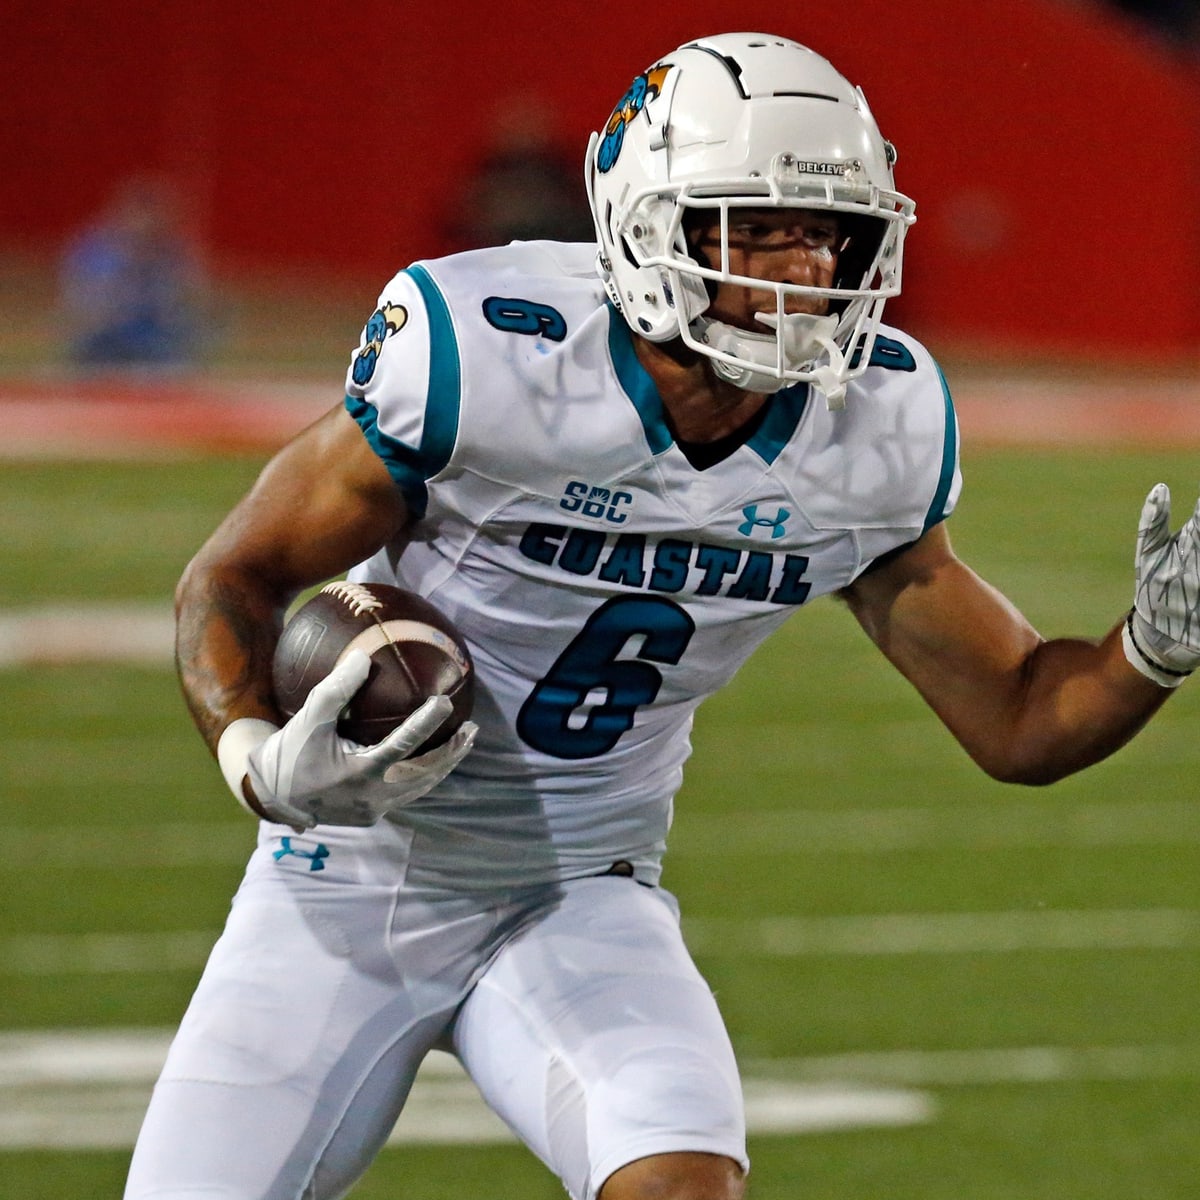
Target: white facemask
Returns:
[805, 338]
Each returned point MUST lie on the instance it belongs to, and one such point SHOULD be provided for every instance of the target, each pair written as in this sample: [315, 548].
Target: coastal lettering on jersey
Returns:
[671, 566]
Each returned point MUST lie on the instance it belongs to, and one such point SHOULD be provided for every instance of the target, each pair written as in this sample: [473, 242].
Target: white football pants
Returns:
[575, 1008]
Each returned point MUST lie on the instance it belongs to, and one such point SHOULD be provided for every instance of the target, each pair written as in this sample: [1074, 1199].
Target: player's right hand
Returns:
[306, 774]
[1162, 634]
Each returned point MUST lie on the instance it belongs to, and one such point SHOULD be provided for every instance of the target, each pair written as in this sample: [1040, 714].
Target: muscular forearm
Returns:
[1077, 702]
[1026, 709]
[227, 625]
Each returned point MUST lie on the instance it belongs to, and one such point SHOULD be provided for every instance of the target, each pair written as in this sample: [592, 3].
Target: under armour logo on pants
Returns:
[314, 856]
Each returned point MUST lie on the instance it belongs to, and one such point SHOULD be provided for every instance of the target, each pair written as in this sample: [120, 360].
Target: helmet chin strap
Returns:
[805, 335]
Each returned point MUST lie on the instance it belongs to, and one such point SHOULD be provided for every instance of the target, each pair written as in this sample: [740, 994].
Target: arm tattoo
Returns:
[223, 651]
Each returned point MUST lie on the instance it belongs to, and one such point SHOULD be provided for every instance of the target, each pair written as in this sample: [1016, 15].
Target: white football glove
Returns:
[305, 774]
[1162, 634]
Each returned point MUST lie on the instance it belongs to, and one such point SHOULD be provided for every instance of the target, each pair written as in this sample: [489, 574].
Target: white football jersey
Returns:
[605, 585]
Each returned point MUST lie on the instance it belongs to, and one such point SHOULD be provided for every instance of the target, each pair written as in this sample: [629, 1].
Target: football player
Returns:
[617, 467]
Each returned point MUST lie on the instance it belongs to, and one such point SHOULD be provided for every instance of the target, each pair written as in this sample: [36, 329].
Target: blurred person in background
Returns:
[132, 284]
[526, 186]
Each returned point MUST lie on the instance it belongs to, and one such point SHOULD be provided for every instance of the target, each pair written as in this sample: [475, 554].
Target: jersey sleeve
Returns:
[887, 467]
[404, 380]
[949, 470]
[931, 438]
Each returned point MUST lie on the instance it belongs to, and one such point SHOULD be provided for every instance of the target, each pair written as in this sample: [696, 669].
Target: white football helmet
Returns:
[753, 121]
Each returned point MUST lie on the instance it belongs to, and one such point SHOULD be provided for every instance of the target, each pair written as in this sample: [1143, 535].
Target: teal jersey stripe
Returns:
[786, 408]
[445, 375]
[638, 385]
[937, 506]
[412, 466]
[404, 462]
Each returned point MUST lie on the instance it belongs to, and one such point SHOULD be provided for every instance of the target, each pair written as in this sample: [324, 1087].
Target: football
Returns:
[415, 653]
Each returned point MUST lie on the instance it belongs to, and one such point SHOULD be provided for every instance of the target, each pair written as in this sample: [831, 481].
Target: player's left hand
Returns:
[1162, 634]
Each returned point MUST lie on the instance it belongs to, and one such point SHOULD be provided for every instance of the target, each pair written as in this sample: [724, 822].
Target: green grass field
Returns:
[868, 907]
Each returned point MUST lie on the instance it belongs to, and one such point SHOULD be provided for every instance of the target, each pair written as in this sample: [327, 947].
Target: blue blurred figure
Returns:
[132, 283]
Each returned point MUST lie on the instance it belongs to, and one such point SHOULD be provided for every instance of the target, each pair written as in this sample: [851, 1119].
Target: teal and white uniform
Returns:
[605, 585]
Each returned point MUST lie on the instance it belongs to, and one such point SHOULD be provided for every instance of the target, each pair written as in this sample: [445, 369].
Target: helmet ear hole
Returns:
[863, 236]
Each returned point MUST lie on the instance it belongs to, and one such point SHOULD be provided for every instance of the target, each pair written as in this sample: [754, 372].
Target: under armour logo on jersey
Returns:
[314, 856]
[775, 524]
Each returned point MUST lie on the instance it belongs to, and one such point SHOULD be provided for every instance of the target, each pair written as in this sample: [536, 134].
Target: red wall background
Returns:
[1054, 152]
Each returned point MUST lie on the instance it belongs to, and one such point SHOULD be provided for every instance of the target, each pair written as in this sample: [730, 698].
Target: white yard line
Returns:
[881, 935]
[1015, 823]
[88, 1089]
[866, 831]
[947, 933]
[141, 633]
[968, 1068]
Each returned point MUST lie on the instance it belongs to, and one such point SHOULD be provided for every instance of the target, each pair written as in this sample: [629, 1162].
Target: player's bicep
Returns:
[924, 600]
[322, 504]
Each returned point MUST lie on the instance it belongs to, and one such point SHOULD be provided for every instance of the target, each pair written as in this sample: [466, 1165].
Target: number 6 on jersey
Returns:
[590, 696]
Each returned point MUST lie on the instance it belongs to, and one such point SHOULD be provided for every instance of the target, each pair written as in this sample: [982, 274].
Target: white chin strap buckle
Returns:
[804, 336]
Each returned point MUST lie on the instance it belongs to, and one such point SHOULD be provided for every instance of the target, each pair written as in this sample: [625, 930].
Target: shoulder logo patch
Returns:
[389, 319]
